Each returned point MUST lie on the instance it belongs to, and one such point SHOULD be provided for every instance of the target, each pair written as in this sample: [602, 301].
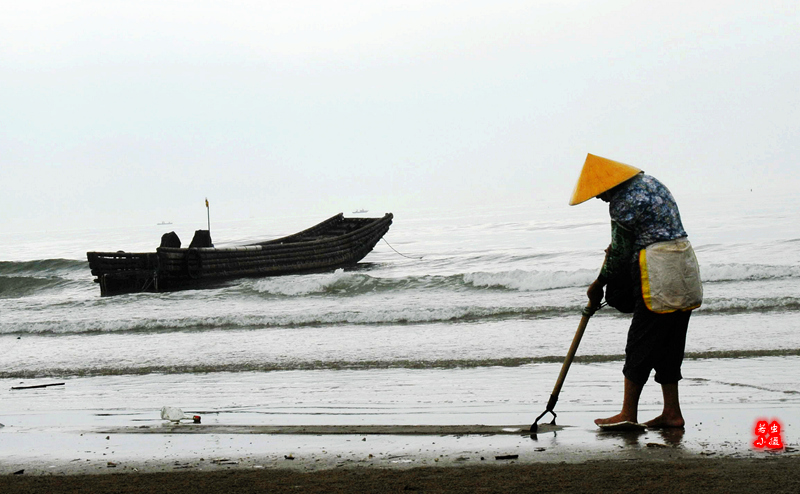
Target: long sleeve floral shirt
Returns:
[642, 212]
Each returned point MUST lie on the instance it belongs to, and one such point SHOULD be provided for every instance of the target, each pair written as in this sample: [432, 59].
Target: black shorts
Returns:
[655, 341]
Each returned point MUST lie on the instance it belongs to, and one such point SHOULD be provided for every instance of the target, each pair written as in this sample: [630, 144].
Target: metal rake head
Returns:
[535, 424]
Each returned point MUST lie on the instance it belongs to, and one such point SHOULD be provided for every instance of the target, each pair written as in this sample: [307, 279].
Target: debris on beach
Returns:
[224, 461]
[175, 414]
[172, 413]
[37, 386]
[506, 457]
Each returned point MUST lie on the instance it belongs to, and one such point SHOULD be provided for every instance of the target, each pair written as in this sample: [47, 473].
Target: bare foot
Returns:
[620, 417]
[664, 422]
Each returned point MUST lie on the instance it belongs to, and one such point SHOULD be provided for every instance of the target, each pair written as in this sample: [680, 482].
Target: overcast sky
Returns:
[132, 112]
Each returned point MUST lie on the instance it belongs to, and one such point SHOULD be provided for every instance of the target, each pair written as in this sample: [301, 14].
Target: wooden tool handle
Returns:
[587, 313]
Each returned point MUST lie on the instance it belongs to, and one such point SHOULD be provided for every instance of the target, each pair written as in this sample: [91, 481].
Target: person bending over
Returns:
[651, 271]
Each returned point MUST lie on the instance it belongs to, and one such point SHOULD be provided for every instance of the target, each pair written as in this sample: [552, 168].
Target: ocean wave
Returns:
[535, 280]
[366, 316]
[22, 279]
[25, 278]
[747, 272]
[317, 365]
[22, 286]
[354, 283]
[529, 281]
[337, 282]
[42, 267]
[742, 305]
[421, 315]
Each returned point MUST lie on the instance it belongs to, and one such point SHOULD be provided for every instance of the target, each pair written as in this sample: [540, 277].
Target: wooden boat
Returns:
[337, 242]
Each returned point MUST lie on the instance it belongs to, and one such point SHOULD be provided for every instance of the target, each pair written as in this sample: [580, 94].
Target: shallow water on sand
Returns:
[58, 426]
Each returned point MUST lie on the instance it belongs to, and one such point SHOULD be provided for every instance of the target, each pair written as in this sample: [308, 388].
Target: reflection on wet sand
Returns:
[672, 436]
[627, 438]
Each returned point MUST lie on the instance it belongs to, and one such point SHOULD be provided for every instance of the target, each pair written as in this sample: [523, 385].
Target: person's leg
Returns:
[671, 416]
[630, 405]
[668, 370]
[638, 364]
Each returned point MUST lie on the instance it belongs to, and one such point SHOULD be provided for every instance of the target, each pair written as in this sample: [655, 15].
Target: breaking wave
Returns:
[21, 279]
[422, 315]
[13, 286]
[349, 283]
[747, 272]
[354, 283]
[530, 281]
[41, 267]
[362, 316]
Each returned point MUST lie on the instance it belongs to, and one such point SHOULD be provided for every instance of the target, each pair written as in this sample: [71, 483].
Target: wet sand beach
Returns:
[358, 437]
[61, 441]
[713, 454]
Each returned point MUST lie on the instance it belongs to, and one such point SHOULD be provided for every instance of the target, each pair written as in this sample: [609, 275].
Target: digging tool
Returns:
[587, 312]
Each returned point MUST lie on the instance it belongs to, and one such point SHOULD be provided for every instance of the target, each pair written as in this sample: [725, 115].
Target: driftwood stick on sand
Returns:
[37, 386]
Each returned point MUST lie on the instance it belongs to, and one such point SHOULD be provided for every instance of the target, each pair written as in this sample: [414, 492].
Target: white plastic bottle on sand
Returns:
[172, 413]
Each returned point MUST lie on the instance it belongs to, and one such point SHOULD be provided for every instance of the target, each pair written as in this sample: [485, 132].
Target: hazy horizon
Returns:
[117, 113]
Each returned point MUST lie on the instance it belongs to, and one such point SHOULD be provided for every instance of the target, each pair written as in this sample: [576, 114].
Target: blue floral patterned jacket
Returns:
[643, 212]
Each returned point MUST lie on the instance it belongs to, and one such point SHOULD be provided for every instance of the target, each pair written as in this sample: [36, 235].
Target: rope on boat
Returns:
[390, 246]
[148, 282]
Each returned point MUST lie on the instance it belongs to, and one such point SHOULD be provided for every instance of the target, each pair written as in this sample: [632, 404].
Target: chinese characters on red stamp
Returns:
[768, 435]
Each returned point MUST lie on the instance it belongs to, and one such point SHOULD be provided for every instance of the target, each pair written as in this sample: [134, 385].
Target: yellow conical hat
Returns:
[599, 175]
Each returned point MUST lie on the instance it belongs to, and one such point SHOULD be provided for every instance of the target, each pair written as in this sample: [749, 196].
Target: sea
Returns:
[457, 316]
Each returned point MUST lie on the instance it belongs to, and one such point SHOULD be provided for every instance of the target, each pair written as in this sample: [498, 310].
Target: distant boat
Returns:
[360, 211]
[337, 242]
[164, 223]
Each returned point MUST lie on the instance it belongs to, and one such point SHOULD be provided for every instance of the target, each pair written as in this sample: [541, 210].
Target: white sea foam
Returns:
[529, 281]
[361, 315]
[741, 304]
[301, 285]
[736, 272]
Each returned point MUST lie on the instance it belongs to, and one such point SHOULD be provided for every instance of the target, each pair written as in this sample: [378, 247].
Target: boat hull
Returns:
[335, 243]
